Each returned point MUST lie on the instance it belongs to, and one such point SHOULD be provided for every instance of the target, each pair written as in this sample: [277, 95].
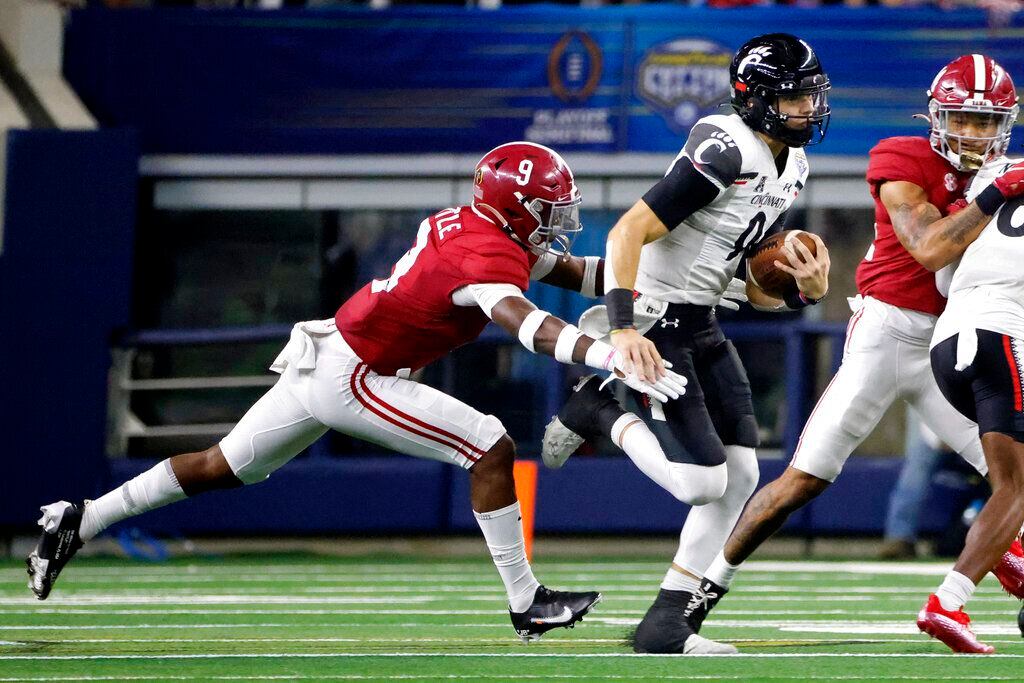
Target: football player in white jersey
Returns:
[977, 352]
[679, 248]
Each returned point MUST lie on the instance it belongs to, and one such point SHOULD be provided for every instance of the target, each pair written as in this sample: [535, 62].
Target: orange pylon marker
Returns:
[525, 474]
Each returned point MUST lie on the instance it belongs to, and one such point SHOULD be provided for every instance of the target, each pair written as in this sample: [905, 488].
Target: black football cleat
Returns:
[552, 609]
[58, 543]
[588, 414]
[666, 629]
[1020, 622]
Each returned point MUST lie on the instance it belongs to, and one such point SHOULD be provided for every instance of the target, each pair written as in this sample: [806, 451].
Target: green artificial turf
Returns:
[316, 618]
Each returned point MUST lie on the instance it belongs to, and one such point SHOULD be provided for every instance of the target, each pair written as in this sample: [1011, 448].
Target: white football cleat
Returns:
[559, 443]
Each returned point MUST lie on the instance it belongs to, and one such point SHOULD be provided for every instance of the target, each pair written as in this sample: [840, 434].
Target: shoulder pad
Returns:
[714, 152]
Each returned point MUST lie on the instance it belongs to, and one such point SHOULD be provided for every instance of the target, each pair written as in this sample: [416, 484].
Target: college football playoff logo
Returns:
[574, 67]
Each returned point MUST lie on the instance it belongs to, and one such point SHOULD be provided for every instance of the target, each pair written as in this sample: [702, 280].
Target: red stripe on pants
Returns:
[1011, 360]
[460, 446]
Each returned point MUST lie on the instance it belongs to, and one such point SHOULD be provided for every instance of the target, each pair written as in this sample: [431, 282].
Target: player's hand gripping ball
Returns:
[761, 265]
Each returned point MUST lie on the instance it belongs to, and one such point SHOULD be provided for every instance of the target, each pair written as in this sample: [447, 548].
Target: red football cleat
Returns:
[1010, 570]
[952, 628]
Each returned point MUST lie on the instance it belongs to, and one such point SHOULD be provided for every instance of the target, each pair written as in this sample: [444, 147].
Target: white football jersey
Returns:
[695, 261]
[987, 288]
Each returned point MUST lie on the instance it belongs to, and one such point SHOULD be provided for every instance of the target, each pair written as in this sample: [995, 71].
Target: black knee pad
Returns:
[728, 396]
[746, 432]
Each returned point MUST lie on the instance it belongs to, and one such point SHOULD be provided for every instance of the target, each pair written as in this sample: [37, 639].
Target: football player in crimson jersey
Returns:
[972, 105]
[469, 265]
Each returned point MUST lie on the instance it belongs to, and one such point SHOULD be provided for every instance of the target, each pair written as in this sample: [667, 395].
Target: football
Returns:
[761, 264]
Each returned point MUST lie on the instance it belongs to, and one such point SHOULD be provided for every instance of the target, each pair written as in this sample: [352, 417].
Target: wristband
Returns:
[531, 323]
[566, 343]
[797, 300]
[989, 200]
[620, 308]
[600, 356]
[589, 287]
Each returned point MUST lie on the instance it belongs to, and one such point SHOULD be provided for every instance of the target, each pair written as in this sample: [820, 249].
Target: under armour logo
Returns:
[665, 322]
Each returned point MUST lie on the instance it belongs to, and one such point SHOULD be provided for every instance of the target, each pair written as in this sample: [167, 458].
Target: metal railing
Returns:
[800, 338]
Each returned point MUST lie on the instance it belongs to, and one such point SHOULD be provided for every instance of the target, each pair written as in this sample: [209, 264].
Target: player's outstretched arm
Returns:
[932, 240]
[583, 274]
[936, 241]
[541, 332]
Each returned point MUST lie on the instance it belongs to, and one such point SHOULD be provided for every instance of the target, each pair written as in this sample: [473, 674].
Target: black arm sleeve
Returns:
[683, 191]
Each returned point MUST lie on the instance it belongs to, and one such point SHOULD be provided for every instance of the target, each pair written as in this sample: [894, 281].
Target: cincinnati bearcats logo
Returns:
[718, 140]
[755, 57]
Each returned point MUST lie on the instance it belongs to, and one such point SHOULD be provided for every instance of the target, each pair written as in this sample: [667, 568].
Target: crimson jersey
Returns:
[888, 272]
[408, 320]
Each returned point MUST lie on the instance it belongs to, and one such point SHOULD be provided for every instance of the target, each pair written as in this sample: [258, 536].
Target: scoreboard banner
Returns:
[618, 79]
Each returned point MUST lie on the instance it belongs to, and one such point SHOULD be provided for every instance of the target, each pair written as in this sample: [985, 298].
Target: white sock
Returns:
[503, 531]
[708, 527]
[955, 591]
[153, 488]
[675, 580]
[720, 571]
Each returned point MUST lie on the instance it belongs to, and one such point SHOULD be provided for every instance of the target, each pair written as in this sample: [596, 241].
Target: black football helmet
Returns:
[774, 65]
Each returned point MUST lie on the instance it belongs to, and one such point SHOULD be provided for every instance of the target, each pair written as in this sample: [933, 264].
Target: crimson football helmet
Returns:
[974, 84]
[528, 190]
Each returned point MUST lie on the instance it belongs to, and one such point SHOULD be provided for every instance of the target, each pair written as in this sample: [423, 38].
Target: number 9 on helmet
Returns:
[529, 191]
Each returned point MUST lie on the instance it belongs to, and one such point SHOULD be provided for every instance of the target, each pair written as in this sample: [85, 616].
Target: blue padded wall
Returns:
[65, 285]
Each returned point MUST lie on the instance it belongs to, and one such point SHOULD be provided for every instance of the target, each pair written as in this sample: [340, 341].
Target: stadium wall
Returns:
[65, 287]
[398, 494]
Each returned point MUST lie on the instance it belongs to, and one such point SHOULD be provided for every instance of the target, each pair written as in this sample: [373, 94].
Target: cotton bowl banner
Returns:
[684, 79]
[414, 80]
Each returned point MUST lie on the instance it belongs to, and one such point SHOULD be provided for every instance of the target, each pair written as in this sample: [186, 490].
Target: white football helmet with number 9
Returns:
[529, 190]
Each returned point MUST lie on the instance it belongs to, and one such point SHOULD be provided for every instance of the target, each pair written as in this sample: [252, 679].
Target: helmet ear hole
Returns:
[757, 108]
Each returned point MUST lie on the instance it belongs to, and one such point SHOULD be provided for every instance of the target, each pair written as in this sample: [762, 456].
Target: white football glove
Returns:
[669, 387]
[734, 295]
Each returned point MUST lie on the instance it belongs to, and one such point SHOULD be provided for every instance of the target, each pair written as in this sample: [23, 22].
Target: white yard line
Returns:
[753, 642]
[129, 627]
[504, 677]
[936, 568]
[275, 599]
